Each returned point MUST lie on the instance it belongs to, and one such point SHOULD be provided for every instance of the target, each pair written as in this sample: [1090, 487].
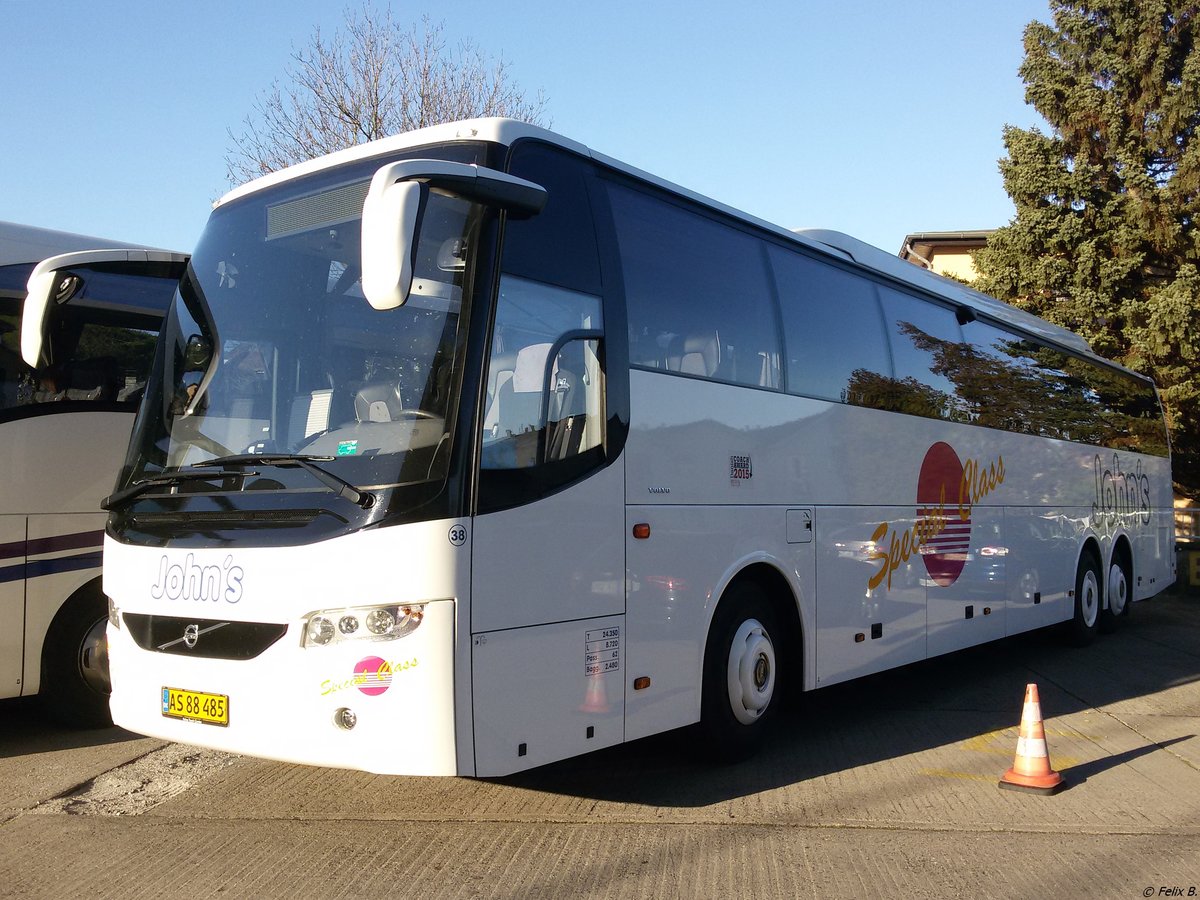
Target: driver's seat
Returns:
[378, 402]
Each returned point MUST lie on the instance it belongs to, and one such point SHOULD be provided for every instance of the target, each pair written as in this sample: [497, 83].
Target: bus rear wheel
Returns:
[1117, 594]
[1081, 630]
[75, 682]
[741, 674]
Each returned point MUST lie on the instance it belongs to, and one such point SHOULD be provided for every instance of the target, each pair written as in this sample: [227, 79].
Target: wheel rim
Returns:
[1118, 590]
[1089, 598]
[93, 658]
[751, 672]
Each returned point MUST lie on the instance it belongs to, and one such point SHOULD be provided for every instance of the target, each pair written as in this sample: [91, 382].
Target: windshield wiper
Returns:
[339, 486]
[118, 498]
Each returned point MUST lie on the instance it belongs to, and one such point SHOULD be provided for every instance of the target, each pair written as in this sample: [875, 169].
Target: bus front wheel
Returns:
[75, 683]
[741, 674]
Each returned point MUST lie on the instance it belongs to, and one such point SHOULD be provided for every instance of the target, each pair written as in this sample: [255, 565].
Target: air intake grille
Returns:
[210, 638]
[201, 519]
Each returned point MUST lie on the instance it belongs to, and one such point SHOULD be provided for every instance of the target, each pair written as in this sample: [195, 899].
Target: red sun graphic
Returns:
[373, 676]
[946, 535]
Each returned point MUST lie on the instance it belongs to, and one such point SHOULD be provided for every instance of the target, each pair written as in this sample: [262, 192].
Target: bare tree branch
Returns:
[372, 79]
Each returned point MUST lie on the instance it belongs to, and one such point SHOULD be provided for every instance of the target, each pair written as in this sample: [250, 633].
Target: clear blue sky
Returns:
[874, 118]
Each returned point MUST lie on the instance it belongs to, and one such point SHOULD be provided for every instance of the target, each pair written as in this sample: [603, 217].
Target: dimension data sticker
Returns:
[347, 448]
[602, 652]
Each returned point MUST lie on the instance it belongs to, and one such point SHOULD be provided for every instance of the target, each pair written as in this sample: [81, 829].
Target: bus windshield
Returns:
[270, 347]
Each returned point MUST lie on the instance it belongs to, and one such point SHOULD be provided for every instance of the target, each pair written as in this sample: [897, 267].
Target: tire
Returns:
[1117, 592]
[75, 685]
[1089, 597]
[741, 675]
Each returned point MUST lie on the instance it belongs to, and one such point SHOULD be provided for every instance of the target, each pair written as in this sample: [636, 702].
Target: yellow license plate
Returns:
[211, 709]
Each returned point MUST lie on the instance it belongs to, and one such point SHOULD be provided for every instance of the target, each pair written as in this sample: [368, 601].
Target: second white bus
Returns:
[64, 429]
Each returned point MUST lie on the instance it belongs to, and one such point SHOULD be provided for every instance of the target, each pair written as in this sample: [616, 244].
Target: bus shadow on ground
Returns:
[919, 707]
[25, 729]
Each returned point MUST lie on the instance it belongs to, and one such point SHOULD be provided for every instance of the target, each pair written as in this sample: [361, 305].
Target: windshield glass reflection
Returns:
[271, 348]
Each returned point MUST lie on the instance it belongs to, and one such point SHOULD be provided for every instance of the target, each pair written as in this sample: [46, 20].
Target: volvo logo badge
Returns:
[191, 634]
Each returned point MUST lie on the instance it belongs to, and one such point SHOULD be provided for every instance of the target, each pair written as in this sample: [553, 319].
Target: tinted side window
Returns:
[1003, 386]
[1021, 385]
[544, 415]
[1133, 412]
[1067, 410]
[101, 344]
[926, 343]
[558, 245]
[698, 296]
[832, 326]
[544, 401]
[16, 378]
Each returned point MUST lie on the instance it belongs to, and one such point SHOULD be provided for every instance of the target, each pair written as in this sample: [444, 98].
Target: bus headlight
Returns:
[114, 614]
[319, 631]
[361, 623]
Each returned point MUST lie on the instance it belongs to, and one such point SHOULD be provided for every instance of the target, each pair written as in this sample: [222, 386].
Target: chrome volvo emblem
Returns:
[191, 634]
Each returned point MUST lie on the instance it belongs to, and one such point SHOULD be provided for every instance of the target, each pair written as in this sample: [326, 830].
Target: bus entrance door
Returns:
[548, 626]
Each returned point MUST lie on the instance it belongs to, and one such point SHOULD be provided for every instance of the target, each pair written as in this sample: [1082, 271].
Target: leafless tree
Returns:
[373, 79]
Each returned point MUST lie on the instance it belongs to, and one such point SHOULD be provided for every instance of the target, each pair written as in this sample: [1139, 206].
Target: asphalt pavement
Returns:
[884, 787]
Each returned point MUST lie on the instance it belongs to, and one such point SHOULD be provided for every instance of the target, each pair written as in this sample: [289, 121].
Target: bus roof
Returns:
[30, 244]
[508, 131]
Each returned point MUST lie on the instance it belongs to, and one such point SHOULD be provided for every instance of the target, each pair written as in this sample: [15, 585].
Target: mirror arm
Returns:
[392, 210]
[469, 181]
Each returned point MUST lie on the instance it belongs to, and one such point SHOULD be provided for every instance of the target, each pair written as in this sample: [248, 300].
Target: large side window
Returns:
[1133, 412]
[1050, 399]
[697, 291]
[832, 327]
[544, 415]
[545, 400]
[1002, 386]
[558, 245]
[926, 346]
[101, 344]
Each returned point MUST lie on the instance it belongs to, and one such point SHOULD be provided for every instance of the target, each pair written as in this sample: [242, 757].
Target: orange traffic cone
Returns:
[1031, 769]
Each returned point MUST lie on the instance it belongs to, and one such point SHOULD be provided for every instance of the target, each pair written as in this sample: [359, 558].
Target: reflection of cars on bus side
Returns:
[64, 428]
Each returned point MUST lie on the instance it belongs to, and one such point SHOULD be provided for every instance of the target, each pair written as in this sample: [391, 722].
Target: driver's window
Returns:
[544, 384]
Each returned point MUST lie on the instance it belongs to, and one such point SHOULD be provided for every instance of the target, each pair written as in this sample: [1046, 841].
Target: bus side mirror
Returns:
[50, 284]
[395, 202]
[197, 354]
[43, 291]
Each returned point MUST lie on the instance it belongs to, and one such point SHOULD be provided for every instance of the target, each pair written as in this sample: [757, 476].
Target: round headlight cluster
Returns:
[380, 621]
[320, 630]
[361, 623]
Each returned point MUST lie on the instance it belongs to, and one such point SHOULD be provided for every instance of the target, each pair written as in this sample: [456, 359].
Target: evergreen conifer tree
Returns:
[1105, 238]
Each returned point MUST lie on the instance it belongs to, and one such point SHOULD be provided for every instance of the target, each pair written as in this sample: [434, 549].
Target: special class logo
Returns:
[947, 491]
[372, 676]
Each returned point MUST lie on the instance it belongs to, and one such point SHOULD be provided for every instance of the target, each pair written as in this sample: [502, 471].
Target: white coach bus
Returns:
[64, 428]
[473, 449]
